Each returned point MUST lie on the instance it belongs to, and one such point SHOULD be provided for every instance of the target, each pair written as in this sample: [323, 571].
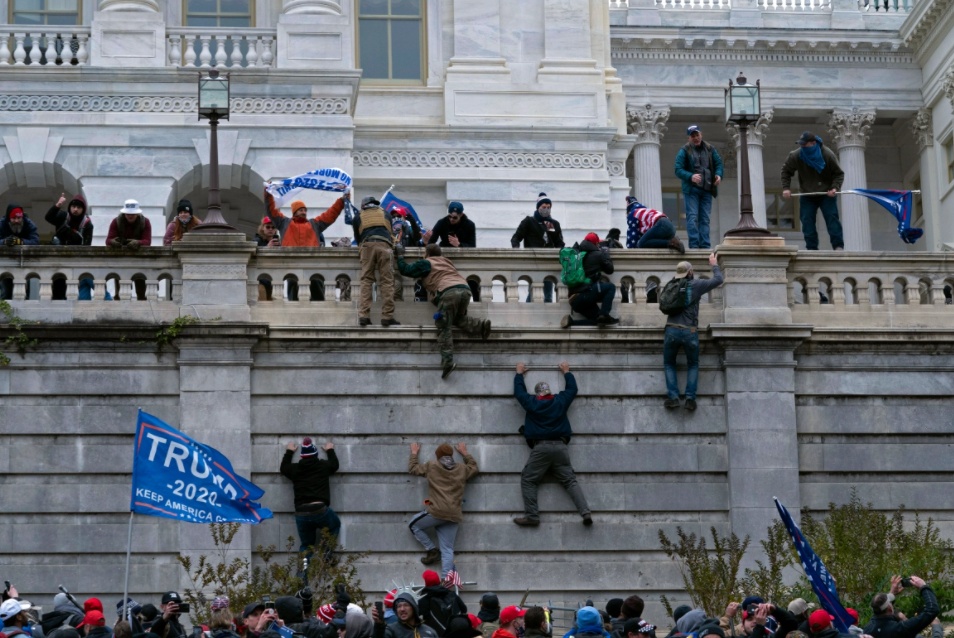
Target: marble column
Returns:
[128, 5]
[332, 7]
[922, 127]
[477, 43]
[568, 50]
[648, 125]
[755, 137]
[849, 131]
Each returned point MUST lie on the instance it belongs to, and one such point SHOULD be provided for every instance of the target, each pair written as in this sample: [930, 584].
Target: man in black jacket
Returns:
[595, 299]
[437, 604]
[168, 625]
[409, 623]
[886, 624]
[540, 231]
[455, 230]
[309, 478]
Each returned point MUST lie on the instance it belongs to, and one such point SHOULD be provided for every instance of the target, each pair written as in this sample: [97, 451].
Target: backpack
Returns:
[439, 612]
[571, 263]
[675, 296]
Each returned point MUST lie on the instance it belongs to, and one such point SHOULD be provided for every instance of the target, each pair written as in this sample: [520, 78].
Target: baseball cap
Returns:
[693, 129]
[11, 607]
[807, 136]
[93, 618]
[510, 614]
[800, 606]
[683, 268]
[171, 597]
[819, 620]
[251, 607]
[490, 601]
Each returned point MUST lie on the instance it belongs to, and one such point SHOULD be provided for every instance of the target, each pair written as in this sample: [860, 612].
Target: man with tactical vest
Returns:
[372, 232]
[452, 298]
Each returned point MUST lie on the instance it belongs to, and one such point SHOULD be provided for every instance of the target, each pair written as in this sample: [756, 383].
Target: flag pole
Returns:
[126, 583]
[848, 192]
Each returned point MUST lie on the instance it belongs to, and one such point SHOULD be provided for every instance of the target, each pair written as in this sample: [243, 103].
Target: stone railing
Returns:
[795, 5]
[52, 45]
[902, 7]
[876, 290]
[221, 48]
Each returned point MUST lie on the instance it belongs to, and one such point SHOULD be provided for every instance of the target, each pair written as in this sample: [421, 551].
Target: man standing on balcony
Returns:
[455, 230]
[818, 172]
[540, 231]
[699, 167]
[372, 231]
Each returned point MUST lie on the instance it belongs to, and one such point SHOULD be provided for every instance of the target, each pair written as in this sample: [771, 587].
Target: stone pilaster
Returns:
[922, 128]
[128, 33]
[648, 125]
[315, 34]
[214, 274]
[755, 136]
[477, 49]
[617, 154]
[850, 131]
[566, 41]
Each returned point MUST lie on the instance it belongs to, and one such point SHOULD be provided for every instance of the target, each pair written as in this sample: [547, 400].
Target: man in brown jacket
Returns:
[446, 479]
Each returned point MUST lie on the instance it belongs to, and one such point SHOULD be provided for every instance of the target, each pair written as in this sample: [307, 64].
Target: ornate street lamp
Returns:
[742, 106]
[214, 106]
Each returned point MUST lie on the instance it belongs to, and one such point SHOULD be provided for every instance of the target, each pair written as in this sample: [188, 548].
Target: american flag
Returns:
[453, 580]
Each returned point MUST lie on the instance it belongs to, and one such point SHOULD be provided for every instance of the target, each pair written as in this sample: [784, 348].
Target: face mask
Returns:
[544, 212]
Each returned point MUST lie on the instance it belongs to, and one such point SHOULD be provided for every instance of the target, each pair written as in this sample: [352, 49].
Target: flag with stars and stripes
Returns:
[175, 476]
[452, 580]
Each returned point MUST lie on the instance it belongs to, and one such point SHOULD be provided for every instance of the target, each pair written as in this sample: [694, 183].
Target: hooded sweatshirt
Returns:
[445, 486]
[71, 230]
[416, 629]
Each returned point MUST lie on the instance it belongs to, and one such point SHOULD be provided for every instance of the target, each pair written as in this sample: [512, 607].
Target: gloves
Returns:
[13, 240]
[399, 250]
[133, 244]
[116, 242]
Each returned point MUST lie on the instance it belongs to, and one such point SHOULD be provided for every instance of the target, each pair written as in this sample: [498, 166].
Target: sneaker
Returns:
[485, 329]
[606, 320]
[448, 368]
[676, 244]
[526, 521]
[690, 404]
[390, 322]
[431, 557]
[364, 321]
[566, 321]
[671, 404]
[587, 520]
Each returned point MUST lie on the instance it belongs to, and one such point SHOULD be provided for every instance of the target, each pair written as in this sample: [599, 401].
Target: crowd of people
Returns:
[437, 611]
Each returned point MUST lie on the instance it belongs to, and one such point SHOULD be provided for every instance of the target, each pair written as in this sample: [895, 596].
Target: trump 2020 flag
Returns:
[898, 203]
[391, 204]
[175, 476]
[321, 179]
[822, 582]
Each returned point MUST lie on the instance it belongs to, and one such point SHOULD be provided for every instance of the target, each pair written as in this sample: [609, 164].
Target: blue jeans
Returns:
[658, 236]
[547, 292]
[594, 301]
[688, 340]
[446, 535]
[698, 207]
[309, 526]
[808, 213]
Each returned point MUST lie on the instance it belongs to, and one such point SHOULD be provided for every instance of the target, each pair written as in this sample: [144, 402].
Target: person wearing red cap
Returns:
[310, 481]
[94, 625]
[437, 604]
[593, 300]
[511, 621]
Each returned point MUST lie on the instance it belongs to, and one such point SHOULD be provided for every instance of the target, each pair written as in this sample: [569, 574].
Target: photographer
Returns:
[887, 624]
[168, 625]
[258, 617]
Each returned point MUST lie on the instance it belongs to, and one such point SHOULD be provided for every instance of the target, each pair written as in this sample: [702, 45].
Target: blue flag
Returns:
[822, 582]
[898, 203]
[391, 204]
[175, 476]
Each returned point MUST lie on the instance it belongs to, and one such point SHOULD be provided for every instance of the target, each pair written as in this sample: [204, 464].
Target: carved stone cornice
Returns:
[922, 127]
[476, 159]
[926, 16]
[755, 132]
[850, 127]
[648, 124]
[161, 104]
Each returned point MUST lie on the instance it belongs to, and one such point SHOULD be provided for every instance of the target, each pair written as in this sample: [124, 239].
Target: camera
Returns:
[906, 582]
[269, 604]
[184, 608]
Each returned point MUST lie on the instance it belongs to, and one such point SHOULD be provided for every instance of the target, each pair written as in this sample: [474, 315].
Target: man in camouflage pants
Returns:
[453, 295]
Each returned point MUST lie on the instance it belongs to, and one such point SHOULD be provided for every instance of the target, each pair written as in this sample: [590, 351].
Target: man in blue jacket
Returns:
[548, 433]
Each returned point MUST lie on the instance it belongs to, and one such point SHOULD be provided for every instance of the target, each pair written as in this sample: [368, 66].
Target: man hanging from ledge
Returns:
[442, 279]
[310, 479]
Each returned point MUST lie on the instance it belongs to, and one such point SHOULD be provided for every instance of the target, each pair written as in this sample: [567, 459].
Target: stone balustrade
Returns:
[220, 48]
[44, 45]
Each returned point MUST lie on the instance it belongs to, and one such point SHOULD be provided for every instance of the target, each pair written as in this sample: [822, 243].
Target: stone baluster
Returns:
[850, 130]
[152, 290]
[267, 54]
[887, 293]
[46, 289]
[220, 55]
[235, 59]
[912, 293]
[755, 138]
[190, 44]
[487, 289]
[811, 293]
[252, 56]
[639, 292]
[50, 52]
[72, 289]
[205, 56]
[82, 51]
[937, 293]
[127, 291]
[648, 124]
[512, 292]
[19, 53]
[4, 50]
[837, 291]
[922, 127]
[175, 50]
[35, 52]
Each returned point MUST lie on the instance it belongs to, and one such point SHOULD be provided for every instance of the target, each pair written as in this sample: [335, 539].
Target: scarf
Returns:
[448, 462]
[812, 155]
[182, 229]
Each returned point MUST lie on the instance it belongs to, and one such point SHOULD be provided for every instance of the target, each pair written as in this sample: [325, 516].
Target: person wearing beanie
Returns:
[455, 230]
[298, 231]
[547, 431]
[452, 296]
[682, 333]
[446, 479]
[17, 229]
[312, 488]
[489, 614]
[612, 239]
[372, 227]
[818, 172]
[886, 624]
[637, 628]
[699, 166]
[184, 221]
[593, 300]
[650, 228]
[589, 624]
[437, 604]
[73, 228]
[540, 230]
[408, 625]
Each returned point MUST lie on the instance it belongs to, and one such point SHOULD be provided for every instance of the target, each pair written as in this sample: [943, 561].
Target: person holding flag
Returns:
[818, 171]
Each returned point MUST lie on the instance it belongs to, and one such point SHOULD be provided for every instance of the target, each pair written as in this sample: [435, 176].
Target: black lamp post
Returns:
[214, 106]
[742, 106]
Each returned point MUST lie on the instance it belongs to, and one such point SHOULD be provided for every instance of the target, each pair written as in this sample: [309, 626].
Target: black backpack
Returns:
[675, 296]
[439, 612]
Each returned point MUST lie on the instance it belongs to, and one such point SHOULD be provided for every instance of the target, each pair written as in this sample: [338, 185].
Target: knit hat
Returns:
[588, 620]
[326, 613]
[542, 389]
[295, 205]
[16, 211]
[369, 201]
[638, 626]
[632, 204]
[308, 448]
[489, 601]
[799, 606]
[389, 598]
[680, 611]
[461, 627]
[593, 238]
[613, 606]
[748, 600]
[289, 609]
[131, 207]
[683, 268]
[149, 611]
[97, 604]
[543, 199]
[431, 578]
[511, 613]
[184, 206]
[219, 602]
[807, 136]
[455, 207]
[693, 128]
[613, 234]
[633, 607]
[711, 630]
[444, 449]
[93, 618]
[819, 621]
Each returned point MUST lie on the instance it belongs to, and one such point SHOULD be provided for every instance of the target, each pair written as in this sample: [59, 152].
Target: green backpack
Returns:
[571, 263]
[675, 296]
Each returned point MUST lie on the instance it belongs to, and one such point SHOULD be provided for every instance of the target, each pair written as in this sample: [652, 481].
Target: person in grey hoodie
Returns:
[409, 624]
